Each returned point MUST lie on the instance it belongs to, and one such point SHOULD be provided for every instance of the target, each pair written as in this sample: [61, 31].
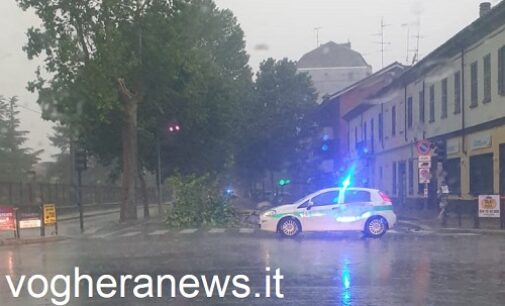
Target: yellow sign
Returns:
[489, 206]
[49, 214]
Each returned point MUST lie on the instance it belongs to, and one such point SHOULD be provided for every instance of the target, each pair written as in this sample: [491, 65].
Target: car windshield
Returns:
[146, 147]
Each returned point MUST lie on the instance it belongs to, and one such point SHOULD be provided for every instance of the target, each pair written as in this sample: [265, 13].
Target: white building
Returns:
[456, 95]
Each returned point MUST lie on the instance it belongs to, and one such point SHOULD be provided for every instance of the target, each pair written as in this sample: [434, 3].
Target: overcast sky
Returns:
[273, 28]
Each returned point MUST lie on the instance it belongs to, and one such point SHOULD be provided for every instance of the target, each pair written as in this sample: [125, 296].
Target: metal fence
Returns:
[24, 194]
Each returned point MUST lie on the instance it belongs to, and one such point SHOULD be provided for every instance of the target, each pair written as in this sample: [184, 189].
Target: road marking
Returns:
[217, 230]
[188, 231]
[159, 232]
[246, 230]
[131, 234]
[392, 232]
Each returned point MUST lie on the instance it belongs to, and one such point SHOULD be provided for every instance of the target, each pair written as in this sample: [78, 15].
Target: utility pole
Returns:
[382, 42]
[317, 35]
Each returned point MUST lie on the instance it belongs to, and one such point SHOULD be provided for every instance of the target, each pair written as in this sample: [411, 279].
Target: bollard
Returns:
[458, 211]
[502, 212]
[476, 221]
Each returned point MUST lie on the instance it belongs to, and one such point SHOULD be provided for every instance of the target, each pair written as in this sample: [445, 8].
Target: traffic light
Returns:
[441, 150]
[174, 127]
[81, 159]
[362, 149]
[284, 182]
[326, 146]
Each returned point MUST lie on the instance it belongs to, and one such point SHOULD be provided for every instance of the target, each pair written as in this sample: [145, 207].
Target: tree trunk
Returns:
[143, 189]
[129, 153]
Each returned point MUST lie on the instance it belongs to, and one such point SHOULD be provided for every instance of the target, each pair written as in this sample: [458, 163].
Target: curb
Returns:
[23, 241]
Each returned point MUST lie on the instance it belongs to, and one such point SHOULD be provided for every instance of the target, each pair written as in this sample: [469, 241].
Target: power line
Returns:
[30, 109]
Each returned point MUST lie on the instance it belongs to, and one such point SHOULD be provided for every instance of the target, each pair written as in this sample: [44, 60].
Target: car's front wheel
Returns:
[289, 227]
[376, 227]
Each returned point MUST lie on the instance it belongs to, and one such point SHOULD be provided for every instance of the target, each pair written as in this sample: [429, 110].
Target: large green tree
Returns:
[278, 120]
[16, 160]
[117, 69]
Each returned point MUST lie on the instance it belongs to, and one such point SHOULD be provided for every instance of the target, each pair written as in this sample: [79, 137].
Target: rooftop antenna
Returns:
[316, 29]
[382, 42]
[418, 37]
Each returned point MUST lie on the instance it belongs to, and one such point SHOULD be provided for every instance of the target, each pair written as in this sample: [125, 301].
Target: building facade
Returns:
[455, 95]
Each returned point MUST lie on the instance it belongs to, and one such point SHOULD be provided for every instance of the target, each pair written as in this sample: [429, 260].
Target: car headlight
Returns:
[269, 213]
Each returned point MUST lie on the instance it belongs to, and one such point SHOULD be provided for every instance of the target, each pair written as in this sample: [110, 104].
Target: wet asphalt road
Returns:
[318, 269]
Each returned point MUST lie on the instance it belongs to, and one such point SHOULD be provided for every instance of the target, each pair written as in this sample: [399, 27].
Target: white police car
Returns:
[333, 209]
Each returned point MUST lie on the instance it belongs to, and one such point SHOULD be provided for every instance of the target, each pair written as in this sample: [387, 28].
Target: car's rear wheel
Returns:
[376, 227]
[289, 227]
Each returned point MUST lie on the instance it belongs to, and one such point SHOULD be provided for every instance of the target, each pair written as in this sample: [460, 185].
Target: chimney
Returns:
[485, 7]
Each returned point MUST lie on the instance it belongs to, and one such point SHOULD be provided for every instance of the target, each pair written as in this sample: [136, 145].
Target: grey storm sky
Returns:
[273, 28]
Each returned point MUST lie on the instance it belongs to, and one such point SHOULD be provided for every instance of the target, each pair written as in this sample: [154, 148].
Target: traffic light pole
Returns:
[79, 200]
[160, 195]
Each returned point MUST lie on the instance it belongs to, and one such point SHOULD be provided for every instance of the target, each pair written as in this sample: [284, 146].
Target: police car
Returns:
[333, 209]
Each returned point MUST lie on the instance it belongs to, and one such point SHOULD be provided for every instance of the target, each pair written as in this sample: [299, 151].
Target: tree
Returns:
[278, 119]
[119, 68]
[16, 161]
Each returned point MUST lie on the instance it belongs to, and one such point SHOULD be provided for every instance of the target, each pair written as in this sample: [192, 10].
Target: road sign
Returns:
[7, 219]
[424, 158]
[424, 176]
[49, 214]
[424, 165]
[30, 223]
[489, 206]
[423, 147]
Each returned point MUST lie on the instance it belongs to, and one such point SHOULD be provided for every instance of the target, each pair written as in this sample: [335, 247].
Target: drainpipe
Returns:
[463, 124]
[405, 112]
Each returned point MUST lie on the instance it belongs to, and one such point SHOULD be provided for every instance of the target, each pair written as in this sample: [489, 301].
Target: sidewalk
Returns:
[427, 220]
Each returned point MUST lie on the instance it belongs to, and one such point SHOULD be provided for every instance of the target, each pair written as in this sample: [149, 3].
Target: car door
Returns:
[353, 211]
[319, 215]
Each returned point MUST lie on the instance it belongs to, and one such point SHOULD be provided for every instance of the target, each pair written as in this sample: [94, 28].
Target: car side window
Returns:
[357, 196]
[327, 198]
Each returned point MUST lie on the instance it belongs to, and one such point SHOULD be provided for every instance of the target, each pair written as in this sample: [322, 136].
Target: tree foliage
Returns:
[16, 160]
[277, 120]
[119, 69]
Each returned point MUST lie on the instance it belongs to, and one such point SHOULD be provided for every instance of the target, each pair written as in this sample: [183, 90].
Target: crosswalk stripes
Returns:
[217, 230]
[188, 231]
[159, 232]
[131, 234]
[246, 230]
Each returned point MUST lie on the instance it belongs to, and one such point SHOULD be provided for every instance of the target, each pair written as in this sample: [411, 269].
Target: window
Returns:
[394, 178]
[481, 174]
[501, 71]
[355, 136]
[365, 131]
[432, 103]
[444, 99]
[457, 92]
[453, 179]
[487, 79]
[421, 106]
[393, 121]
[381, 126]
[409, 112]
[474, 85]
[327, 198]
[372, 134]
[411, 177]
[357, 196]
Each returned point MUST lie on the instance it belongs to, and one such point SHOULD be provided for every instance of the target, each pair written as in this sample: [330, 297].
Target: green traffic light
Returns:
[284, 182]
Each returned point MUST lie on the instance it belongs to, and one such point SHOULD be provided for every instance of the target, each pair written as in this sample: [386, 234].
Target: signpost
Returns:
[489, 206]
[8, 219]
[49, 216]
[29, 217]
[424, 165]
